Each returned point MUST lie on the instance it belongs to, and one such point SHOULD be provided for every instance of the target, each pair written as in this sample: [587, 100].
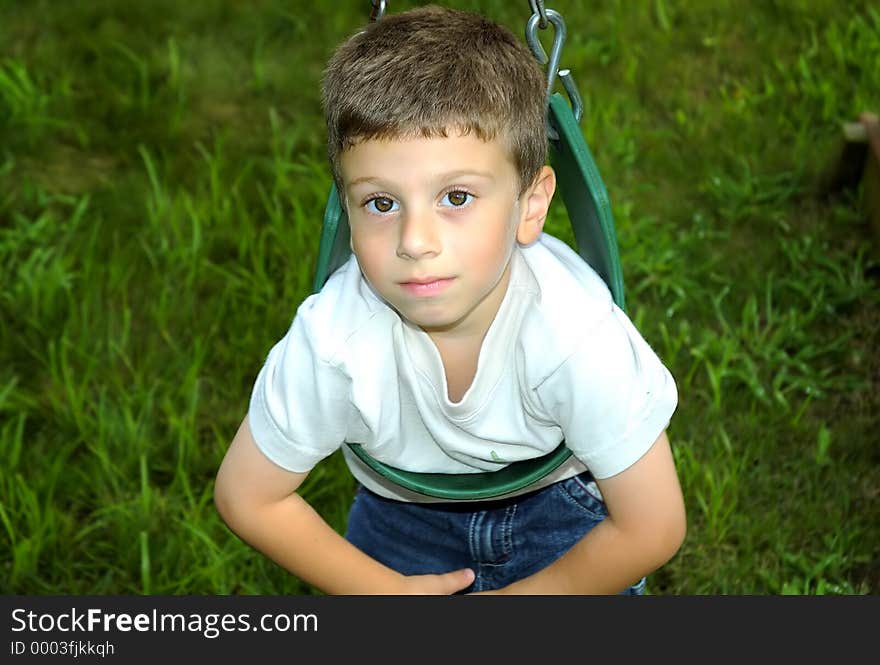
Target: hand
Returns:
[444, 585]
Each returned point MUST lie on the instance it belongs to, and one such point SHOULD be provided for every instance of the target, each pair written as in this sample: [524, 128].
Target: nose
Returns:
[419, 236]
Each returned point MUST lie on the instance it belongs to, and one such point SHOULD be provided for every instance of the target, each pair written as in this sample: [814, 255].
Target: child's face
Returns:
[433, 224]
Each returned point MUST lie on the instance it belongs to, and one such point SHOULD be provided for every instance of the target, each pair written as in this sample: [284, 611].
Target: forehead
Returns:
[410, 159]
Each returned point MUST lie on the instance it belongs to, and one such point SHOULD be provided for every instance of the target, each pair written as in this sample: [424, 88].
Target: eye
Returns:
[381, 205]
[458, 198]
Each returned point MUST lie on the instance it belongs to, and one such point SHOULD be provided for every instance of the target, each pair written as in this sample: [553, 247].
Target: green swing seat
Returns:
[589, 212]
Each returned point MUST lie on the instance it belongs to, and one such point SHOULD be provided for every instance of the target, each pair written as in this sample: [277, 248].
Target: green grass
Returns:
[162, 180]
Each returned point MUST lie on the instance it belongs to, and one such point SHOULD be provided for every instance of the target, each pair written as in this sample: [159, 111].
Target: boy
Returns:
[457, 338]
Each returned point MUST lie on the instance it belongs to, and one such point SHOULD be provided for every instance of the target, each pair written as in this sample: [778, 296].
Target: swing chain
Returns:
[538, 8]
[378, 10]
[539, 14]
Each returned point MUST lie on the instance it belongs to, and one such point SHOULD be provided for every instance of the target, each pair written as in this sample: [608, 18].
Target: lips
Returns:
[426, 286]
[423, 280]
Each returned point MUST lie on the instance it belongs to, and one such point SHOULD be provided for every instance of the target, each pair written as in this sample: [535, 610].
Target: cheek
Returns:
[498, 245]
[376, 256]
[366, 252]
[488, 254]
[369, 242]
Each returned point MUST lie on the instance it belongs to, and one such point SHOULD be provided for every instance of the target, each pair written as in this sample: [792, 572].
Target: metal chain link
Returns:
[378, 10]
[559, 33]
[538, 8]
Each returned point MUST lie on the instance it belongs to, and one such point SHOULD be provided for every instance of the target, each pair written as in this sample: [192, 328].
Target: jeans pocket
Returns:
[582, 490]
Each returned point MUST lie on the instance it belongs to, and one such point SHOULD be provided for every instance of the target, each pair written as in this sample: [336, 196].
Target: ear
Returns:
[535, 206]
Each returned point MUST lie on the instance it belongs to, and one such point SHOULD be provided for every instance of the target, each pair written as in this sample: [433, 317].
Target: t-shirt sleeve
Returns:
[612, 397]
[299, 404]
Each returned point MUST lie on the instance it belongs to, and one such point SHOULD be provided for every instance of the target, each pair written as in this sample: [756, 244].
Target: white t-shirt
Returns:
[560, 361]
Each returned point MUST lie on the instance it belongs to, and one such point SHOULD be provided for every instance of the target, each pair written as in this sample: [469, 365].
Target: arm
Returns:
[644, 529]
[257, 499]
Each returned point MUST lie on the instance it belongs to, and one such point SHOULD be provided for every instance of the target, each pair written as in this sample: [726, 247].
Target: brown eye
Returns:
[458, 198]
[381, 204]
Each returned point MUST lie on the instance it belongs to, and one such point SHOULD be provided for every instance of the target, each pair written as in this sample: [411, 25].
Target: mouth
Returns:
[426, 286]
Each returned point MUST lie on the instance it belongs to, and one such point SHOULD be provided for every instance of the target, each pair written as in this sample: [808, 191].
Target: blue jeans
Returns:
[501, 541]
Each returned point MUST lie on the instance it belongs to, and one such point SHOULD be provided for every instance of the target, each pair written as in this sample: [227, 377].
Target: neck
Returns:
[474, 326]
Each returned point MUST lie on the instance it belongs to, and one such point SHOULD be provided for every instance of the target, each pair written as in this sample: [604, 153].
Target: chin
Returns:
[428, 323]
[431, 323]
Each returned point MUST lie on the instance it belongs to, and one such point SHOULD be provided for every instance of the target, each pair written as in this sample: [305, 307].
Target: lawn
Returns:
[162, 183]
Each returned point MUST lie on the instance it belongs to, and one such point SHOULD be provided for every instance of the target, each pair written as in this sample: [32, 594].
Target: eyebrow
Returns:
[374, 180]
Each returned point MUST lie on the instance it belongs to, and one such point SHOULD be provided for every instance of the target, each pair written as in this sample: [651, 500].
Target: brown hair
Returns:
[424, 71]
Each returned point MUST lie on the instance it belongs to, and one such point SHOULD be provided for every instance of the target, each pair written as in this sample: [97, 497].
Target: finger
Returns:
[456, 580]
